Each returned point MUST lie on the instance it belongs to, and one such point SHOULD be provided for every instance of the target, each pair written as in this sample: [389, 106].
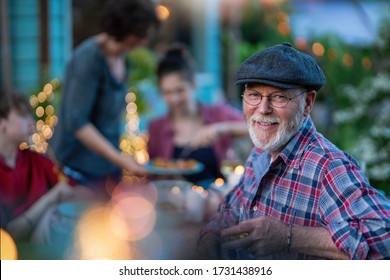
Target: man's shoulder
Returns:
[321, 149]
[87, 45]
[86, 51]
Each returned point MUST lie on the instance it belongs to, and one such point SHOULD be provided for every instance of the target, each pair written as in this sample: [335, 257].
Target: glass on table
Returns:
[233, 214]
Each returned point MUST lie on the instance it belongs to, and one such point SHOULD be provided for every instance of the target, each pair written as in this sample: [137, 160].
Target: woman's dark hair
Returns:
[121, 18]
[13, 100]
[177, 59]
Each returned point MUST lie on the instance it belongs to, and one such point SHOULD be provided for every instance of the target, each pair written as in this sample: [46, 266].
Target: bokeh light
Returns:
[301, 43]
[139, 215]
[318, 49]
[7, 246]
[366, 63]
[96, 236]
[219, 182]
[239, 170]
[348, 60]
[284, 28]
[162, 12]
[45, 113]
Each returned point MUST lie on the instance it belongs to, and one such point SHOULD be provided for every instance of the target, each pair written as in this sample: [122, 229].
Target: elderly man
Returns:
[302, 197]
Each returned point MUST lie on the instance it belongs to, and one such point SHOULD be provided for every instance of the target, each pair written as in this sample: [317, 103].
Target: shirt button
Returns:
[254, 208]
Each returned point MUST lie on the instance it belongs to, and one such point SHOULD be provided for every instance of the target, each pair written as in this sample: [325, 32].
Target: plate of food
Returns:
[162, 166]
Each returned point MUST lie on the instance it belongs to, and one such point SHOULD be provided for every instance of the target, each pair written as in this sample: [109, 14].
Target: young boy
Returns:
[29, 181]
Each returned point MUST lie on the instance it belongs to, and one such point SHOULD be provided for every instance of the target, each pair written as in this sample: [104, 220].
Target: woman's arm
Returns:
[96, 142]
[208, 134]
[232, 128]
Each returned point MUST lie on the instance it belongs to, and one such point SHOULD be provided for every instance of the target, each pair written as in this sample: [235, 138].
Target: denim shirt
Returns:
[91, 94]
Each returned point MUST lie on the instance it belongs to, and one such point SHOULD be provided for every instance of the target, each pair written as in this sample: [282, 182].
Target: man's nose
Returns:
[264, 107]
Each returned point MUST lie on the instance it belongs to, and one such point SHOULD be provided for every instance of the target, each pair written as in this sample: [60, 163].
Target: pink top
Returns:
[161, 131]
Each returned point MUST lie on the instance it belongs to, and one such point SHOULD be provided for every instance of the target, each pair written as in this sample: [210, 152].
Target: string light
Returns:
[45, 115]
[134, 142]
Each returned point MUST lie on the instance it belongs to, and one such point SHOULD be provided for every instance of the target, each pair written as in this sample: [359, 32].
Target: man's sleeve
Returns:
[356, 215]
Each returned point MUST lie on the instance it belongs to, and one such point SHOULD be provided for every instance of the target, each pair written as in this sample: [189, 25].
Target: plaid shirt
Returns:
[313, 183]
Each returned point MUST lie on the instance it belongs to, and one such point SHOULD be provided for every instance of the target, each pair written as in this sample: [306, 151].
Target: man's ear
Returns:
[309, 99]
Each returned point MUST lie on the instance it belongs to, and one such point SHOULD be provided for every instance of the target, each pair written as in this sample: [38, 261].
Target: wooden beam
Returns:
[44, 37]
[5, 46]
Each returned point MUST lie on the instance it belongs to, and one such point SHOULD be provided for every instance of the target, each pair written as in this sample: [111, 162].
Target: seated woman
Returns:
[190, 129]
[30, 184]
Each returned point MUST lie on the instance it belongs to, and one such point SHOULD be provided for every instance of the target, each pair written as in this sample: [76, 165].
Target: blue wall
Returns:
[24, 37]
[60, 17]
[206, 47]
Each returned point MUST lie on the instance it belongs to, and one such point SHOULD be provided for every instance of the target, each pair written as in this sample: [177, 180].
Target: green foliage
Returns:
[48, 93]
[261, 23]
[143, 64]
[368, 120]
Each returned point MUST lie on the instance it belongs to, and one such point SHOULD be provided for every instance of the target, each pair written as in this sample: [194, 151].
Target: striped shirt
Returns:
[313, 183]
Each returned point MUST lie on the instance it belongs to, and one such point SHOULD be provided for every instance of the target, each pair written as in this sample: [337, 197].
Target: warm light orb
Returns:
[48, 88]
[40, 111]
[318, 49]
[348, 60]
[96, 238]
[162, 12]
[130, 97]
[239, 170]
[219, 182]
[49, 110]
[131, 108]
[284, 28]
[301, 43]
[41, 97]
[8, 247]
[33, 101]
[139, 216]
[366, 63]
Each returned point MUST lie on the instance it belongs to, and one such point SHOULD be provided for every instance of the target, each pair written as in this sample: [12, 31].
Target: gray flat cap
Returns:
[281, 66]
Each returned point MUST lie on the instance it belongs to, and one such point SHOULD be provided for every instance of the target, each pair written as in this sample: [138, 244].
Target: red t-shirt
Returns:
[21, 186]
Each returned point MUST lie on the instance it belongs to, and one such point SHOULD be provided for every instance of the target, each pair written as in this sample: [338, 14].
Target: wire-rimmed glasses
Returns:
[276, 99]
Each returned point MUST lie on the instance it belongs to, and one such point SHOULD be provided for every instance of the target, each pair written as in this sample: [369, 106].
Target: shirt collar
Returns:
[296, 146]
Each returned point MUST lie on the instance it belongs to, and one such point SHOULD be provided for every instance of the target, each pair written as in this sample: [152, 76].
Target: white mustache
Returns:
[266, 120]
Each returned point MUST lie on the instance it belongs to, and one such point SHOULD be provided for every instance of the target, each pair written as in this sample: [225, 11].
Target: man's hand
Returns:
[261, 236]
[265, 236]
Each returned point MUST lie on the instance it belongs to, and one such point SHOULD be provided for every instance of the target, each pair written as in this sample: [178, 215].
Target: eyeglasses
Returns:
[277, 99]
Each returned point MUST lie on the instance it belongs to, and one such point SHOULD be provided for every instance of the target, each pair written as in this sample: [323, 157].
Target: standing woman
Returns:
[191, 129]
[86, 139]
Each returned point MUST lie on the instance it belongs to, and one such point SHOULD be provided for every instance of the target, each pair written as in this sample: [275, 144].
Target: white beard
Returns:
[285, 131]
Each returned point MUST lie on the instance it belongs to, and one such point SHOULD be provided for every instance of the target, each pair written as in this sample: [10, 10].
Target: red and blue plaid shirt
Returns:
[313, 183]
